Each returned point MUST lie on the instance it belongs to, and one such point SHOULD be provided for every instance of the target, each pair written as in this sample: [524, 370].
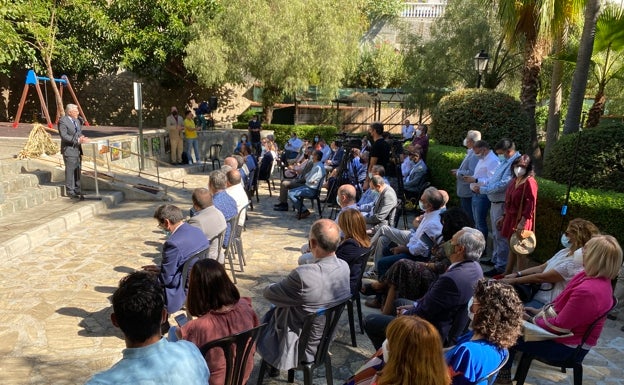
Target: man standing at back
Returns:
[467, 168]
[380, 151]
[254, 134]
[208, 219]
[175, 125]
[322, 284]
[139, 310]
[70, 130]
[184, 241]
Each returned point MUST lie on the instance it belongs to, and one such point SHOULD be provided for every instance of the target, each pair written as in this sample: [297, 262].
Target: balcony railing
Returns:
[423, 10]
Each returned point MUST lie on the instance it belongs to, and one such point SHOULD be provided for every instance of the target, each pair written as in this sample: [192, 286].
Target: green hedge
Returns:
[603, 208]
[599, 162]
[495, 114]
[282, 131]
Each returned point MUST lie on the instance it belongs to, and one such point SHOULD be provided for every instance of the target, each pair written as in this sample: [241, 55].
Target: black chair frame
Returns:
[188, 264]
[213, 156]
[355, 297]
[573, 362]
[236, 349]
[316, 197]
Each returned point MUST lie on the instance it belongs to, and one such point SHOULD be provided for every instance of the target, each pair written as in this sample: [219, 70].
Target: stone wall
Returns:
[108, 100]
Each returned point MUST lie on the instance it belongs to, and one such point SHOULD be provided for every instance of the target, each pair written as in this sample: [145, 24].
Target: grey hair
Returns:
[434, 197]
[473, 135]
[70, 107]
[473, 242]
[218, 180]
[377, 180]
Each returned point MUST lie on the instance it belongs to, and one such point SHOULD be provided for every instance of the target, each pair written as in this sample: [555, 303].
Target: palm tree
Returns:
[608, 57]
[533, 24]
[581, 72]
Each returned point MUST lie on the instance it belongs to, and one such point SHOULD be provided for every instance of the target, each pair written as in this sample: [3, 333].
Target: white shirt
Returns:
[485, 168]
[564, 264]
[429, 225]
[407, 131]
[240, 196]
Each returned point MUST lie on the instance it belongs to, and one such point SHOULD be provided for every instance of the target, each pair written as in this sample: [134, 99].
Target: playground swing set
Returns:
[33, 80]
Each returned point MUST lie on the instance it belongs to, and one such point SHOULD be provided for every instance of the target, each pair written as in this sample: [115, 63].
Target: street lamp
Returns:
[480, 64]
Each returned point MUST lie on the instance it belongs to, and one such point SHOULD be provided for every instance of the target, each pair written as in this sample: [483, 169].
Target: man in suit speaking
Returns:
[70, 129]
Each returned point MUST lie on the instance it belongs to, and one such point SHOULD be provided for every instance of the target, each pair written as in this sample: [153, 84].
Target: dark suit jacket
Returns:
[182, 244]
[69, 136]
[448, 296]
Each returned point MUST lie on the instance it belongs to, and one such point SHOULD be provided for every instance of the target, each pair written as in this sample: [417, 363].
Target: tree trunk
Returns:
[597, 109]
[528, 96]
[270, 96]
[267, 114]
[554, 107]
[581, 72]
[60, 109]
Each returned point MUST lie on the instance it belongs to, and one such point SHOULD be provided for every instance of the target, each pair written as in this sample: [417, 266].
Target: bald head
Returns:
[346, 195]
[324, 238]
[202, 198]
[231, 161]
[233, 177]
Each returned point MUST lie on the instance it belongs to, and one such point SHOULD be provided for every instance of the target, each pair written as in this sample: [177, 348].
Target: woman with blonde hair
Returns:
[587, 297]
[496, 313]
[354, 244]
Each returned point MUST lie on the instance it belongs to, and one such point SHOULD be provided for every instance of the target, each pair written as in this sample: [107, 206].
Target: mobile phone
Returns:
[181, 319]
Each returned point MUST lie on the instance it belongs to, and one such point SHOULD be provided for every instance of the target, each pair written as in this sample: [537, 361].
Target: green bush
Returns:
[282, 131]
[496, 115]
[599, 160]
[603, 208]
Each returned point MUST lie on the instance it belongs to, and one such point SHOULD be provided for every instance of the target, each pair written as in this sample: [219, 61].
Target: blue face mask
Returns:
[565, 241]
[501, 158]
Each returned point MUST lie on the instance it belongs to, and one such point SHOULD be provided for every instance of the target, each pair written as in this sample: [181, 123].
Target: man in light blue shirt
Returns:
[139, 310]
[313, 182]
[495, 188]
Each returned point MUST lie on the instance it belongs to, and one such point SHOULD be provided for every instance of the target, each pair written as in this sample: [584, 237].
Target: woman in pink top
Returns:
[587, 297]
[213, 298]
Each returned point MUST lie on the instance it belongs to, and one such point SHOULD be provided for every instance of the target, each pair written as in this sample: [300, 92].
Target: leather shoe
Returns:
[281, 208]
[304, 214]
[487, 262]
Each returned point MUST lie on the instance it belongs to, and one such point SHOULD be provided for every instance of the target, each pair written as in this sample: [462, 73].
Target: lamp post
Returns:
[480, 64]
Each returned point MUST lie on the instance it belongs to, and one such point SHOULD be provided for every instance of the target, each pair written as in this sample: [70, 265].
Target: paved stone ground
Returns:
[55, 327]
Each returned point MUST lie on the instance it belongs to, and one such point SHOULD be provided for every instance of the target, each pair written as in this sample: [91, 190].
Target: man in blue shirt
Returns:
[139, 310]
[222, 200]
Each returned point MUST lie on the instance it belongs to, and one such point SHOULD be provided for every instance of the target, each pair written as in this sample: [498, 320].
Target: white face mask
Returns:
[370, 175]
[338, 199]
[386, 352]
[520, 171]
[565, 241]
[578, 256]
[465, 142]
[422, 206]
[470, 313]
[418, 132]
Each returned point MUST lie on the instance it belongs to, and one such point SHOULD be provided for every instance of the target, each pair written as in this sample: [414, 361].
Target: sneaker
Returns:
[371, 274]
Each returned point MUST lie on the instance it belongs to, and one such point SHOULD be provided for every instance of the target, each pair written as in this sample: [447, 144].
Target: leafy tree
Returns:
[150, 36]
[581, 72]
[379, 66]
[48, 36]
[608, 57]
[285, 45]
[382, 9]
[467, 27]
[531, 24]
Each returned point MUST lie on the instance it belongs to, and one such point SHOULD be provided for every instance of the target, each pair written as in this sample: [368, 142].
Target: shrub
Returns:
[282, 131]
[496, 115]
[605, 209]
[601, 164]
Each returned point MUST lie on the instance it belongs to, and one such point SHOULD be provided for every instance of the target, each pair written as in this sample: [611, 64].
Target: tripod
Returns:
[342, 177]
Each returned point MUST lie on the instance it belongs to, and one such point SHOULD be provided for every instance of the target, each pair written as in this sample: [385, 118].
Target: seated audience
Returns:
[313, 180]
[139, 310]
[384, 206]
[446, 299]
[307, 288]
[496, 322]
[220, 312]
[184, 241]
[222, 200]
[411, 279]
[368, 198]
[236, 190]
[555, 274]
[587, 297]
[417, 176]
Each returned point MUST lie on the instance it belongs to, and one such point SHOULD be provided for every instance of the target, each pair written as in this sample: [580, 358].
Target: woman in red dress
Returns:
[521, 194]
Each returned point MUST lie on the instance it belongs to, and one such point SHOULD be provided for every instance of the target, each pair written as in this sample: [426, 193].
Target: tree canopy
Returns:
[284, 45]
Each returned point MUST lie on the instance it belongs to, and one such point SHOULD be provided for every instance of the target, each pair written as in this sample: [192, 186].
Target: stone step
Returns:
[30, 227]
[16, 182]
[28, 197]
[10, 167]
